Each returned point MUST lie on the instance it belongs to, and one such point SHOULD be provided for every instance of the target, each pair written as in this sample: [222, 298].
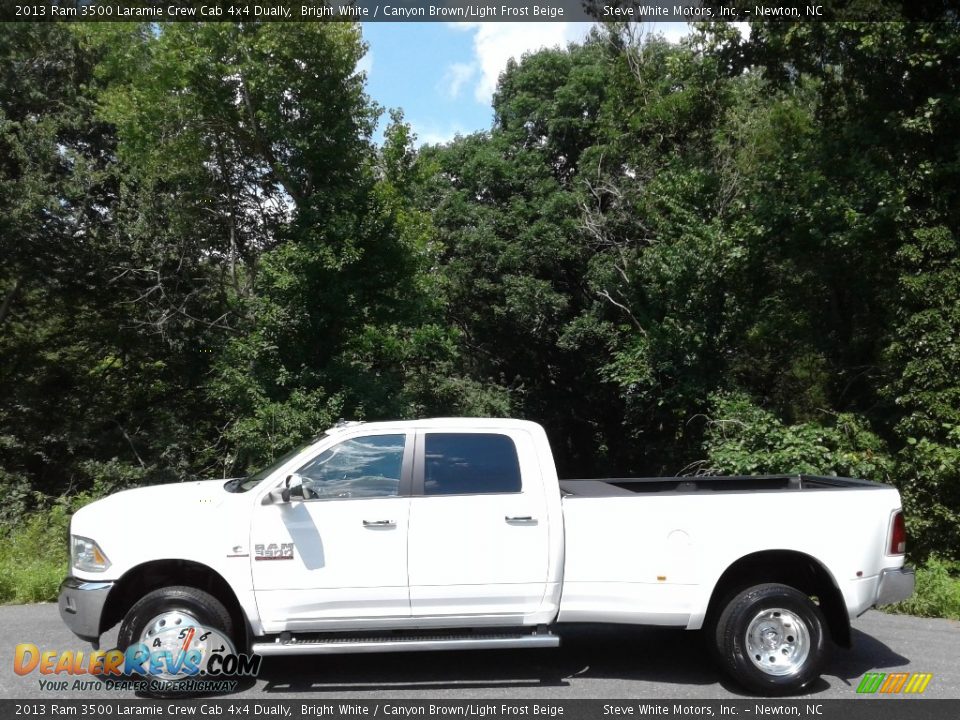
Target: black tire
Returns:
[201, 605]
[772, 639]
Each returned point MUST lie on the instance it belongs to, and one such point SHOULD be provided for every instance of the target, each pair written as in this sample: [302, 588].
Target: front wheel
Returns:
[171, 621]
[772, 639]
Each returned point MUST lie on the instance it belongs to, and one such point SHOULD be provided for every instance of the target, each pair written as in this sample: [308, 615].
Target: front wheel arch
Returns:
[147, 577]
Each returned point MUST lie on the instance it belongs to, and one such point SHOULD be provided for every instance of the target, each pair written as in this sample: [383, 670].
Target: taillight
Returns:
[898, 535]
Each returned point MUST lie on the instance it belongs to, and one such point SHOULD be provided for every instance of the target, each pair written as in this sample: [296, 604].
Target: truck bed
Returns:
[624, 487]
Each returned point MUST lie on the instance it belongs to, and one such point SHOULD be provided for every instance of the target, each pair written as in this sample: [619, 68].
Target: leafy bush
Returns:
[929, 481]
[937, 593]
[16, 493]
[742, 438]
[35, 557]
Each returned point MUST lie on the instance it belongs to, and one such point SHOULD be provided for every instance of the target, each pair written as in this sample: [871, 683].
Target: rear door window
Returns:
[470, 463]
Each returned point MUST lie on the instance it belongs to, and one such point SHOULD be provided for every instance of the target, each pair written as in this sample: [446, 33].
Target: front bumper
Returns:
[895, 584]
[81, 605]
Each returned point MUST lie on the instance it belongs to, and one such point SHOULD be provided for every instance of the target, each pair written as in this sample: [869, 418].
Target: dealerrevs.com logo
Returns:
[892, 683]
[183, 658]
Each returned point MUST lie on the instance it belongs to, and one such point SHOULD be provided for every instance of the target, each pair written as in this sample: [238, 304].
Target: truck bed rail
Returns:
[613, 487]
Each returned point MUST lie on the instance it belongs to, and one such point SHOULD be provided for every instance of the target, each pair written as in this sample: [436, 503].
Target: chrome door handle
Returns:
[520, 519]
[379, 523]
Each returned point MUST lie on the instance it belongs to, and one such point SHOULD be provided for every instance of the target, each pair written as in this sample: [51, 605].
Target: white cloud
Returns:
[365, 64]
[672, 31]
[457, 75]
[494, 44]
[432, 133]
[675, 31]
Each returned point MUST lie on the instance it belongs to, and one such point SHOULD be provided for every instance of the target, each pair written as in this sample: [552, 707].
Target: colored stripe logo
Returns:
[891, 683]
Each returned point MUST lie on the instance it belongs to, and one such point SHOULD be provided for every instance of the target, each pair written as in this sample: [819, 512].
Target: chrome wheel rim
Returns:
[777, 641]
[164, 622]
[161, 634]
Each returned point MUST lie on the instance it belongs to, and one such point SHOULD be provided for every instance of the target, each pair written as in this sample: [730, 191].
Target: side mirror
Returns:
[285, 494]
[279, 496]
[294, 487]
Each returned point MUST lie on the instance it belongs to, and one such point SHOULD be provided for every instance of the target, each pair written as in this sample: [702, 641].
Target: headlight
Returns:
[86, 555]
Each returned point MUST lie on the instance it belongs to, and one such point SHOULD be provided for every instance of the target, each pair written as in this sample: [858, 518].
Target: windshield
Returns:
[248, 483]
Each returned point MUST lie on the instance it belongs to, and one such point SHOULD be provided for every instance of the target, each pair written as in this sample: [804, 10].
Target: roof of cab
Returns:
[477, 423]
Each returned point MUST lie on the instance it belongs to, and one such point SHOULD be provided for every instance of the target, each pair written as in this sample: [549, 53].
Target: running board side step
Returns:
[371, 645]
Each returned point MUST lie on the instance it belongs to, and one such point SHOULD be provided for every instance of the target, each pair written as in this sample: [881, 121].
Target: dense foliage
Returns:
[736, 254]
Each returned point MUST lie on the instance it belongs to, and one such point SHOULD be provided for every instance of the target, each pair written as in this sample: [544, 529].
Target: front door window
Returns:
[364, 467]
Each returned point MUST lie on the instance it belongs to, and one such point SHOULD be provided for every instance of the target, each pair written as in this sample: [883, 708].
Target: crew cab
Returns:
[458, 534]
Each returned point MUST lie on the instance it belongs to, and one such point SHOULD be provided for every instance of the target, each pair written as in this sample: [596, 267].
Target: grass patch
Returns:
[34, 560]
[937, 593]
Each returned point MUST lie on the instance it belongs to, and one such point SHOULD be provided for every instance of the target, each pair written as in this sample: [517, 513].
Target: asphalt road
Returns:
[593, 662]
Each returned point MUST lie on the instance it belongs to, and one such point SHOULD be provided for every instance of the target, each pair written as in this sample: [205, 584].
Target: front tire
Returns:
[178, 605]
[772, 639]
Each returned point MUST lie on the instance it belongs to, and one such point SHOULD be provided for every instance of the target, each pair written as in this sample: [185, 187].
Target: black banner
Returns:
[472, 10]
[863, 708]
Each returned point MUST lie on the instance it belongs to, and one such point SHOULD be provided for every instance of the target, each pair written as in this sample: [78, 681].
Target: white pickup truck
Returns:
[457, 534]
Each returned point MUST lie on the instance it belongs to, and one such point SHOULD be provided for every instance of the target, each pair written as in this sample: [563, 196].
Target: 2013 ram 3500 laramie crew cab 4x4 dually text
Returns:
[457, 534]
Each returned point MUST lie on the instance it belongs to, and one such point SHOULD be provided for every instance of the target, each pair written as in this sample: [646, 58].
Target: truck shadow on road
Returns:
[599, 661]
[866, 655]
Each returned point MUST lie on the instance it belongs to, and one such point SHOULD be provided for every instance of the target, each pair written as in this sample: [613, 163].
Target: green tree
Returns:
[926, 349]
[57, 192]
[506, 206]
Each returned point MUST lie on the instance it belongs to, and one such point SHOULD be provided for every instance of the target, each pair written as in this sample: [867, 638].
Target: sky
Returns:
[443, 75]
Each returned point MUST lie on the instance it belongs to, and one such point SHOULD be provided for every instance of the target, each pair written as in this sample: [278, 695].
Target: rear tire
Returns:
[772, 639]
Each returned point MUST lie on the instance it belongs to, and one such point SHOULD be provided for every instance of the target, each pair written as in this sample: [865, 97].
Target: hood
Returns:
[194, 521]
[172, 503]
[196, 491]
